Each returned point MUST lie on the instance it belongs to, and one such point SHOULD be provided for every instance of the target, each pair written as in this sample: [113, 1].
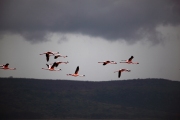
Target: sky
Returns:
[88, 32]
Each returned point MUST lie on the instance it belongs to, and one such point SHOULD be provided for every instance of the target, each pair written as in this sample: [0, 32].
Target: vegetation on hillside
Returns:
[125, 99]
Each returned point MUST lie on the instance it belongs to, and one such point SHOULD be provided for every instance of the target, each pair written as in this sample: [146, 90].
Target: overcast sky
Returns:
[90, 31]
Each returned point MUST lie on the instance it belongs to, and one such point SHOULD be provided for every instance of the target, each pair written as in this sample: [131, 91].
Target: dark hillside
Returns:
[126, 99]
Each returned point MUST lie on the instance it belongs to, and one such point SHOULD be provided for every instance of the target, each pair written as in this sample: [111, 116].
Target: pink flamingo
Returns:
[59, 55]
[51, 67]
[108, 62]
[76, 73]
[5, 67]
[48, 54]
[122, 70]
[58, 62]
[129, 61]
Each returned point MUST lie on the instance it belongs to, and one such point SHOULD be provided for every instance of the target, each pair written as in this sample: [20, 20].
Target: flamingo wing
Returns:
[119, 74]
[6, 65]
[55, 57]
[54, 65]
[49, 52]
[104, 63]
[47, 57]
[77, 69]
[131, 58]
[47, 65]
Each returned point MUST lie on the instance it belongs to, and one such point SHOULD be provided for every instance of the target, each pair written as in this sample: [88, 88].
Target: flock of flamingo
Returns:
[51, 67]
[128, 61]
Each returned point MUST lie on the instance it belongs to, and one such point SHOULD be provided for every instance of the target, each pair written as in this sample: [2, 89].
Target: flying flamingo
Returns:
[129, 61]
[108, 62]
[48, 54]
[51, 68]
[58, 62]
[122, 70]
[59, 55]
[76, 73]
[5, 67]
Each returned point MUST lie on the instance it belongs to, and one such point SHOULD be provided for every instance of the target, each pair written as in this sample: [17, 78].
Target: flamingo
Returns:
[76, 73]
[129, 61]
[58, 62]
[5, 67]
[48, 54]
[51, 68]
[59, 55]
[122, 70]
[108, 62]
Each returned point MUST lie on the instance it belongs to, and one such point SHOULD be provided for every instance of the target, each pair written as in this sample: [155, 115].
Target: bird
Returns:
[51, 67]
[59, 55]
[48, 54]
[5, 67]
[121, 70]
[58, 62]
[76, 73]
[108, 62]
[129, 61]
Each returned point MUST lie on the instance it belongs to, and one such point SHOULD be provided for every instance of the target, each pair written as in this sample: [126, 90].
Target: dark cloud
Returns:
[62, 39]
[111, 19]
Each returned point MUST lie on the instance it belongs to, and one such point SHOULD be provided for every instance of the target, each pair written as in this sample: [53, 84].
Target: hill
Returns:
[125, 99]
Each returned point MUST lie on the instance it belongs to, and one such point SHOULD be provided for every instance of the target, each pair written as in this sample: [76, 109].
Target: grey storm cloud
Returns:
[110, 19]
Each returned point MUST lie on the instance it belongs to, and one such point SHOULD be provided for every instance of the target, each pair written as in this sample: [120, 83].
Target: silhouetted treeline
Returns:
[123, 99]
